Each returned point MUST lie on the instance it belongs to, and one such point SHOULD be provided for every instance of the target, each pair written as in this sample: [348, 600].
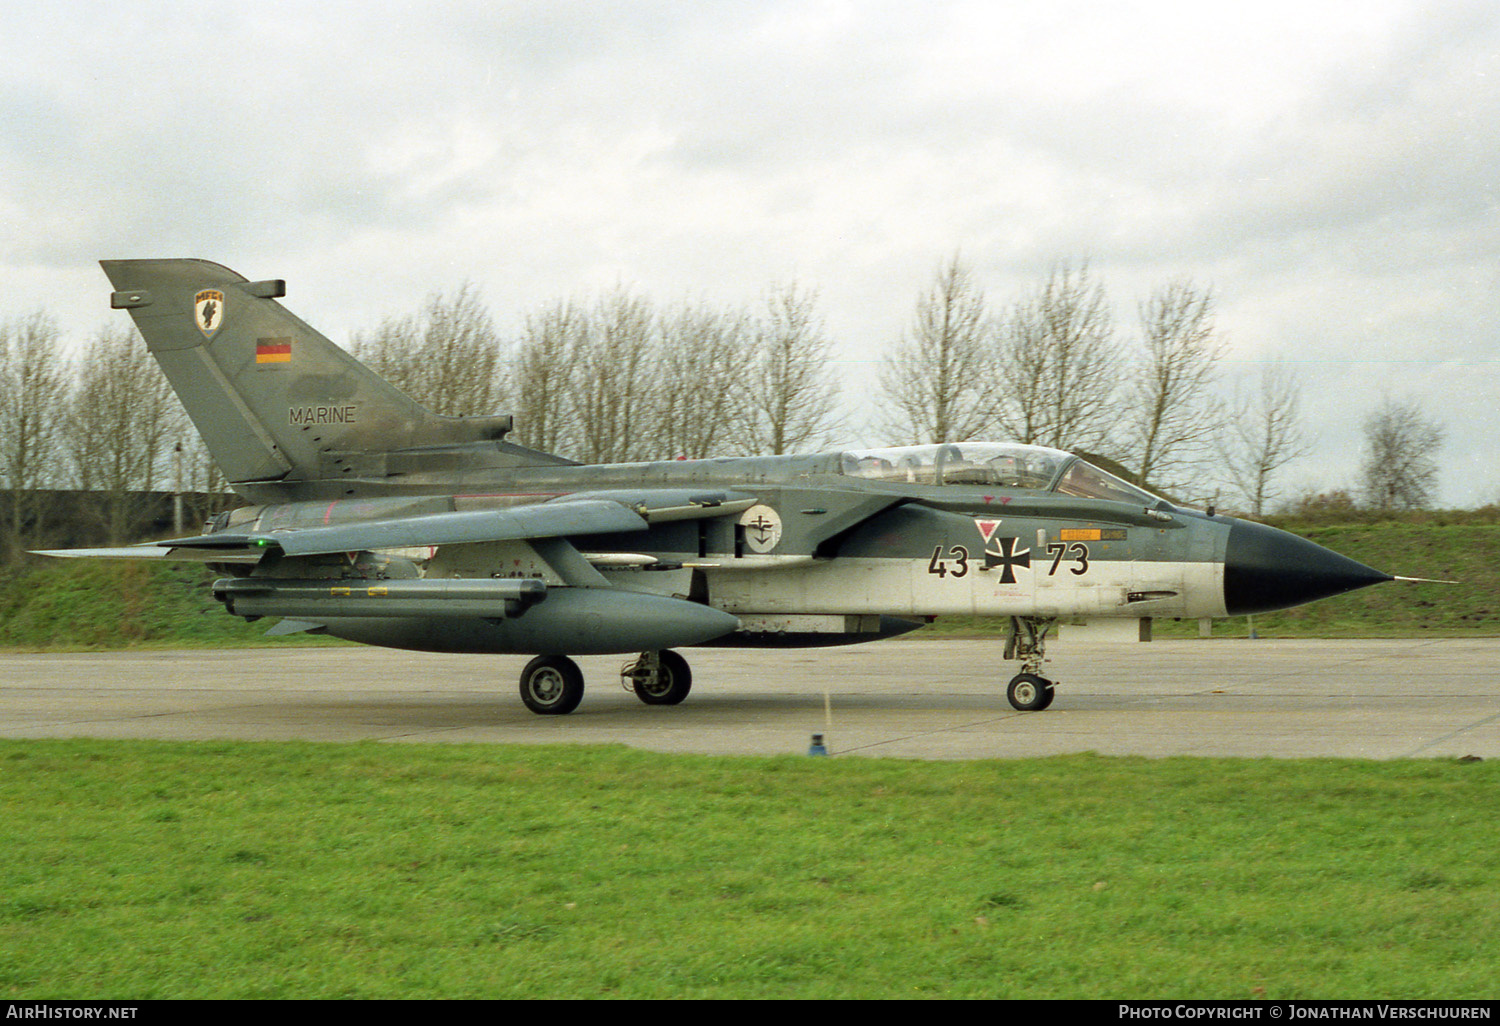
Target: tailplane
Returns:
[275, 401]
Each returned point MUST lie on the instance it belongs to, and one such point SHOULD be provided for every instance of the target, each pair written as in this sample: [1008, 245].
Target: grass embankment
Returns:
[92, 604]
[164, 870]
[1463, 547]
[70, 604]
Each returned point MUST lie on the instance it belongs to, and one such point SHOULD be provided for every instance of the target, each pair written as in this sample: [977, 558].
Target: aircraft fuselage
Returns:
[804, 539]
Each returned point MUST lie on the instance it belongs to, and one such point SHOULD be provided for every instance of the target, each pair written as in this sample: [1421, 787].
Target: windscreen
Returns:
[1087, 481]
[993, 465]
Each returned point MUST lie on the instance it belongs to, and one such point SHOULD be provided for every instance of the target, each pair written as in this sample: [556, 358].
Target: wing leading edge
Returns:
[549, 520]
[605, 512]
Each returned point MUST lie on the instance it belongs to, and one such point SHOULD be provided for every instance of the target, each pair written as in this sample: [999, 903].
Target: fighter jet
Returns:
[378, 521]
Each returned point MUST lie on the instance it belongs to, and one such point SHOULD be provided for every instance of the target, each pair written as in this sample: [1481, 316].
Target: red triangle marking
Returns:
[986, 527]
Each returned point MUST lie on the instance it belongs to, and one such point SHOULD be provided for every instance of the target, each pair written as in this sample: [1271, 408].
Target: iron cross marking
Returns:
[1007, 559]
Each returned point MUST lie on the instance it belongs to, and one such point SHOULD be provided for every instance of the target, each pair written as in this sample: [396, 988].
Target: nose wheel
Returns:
[658, 678]
[1029, 692]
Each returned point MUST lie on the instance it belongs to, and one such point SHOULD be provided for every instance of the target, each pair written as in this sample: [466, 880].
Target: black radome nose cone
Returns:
[1266, 569]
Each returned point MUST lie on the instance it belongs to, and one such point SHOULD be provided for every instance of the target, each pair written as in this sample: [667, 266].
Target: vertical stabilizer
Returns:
[271, 396]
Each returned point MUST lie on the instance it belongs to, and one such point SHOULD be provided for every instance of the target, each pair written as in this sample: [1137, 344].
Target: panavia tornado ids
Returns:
[378, 521]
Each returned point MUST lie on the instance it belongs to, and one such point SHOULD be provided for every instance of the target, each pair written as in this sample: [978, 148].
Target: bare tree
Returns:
[542, 377]
[1058, 365]
[612, 391]
[33, 383]
[1400, 467]
[1263, 434]
[448, 357]
[1171, 415]
[791, 394]
[119, 417]
[702, 363]
[937, 379]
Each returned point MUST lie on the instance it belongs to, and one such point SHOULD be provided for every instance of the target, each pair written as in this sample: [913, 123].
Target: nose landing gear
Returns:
[1026, 640]
[658, 678]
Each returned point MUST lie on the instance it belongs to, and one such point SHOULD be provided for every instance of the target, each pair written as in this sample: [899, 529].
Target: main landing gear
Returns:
[553, 685]
[1026, 640]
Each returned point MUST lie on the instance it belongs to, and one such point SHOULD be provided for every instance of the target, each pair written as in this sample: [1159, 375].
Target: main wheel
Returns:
[551, 685]
[1029, 693]
[669, 685]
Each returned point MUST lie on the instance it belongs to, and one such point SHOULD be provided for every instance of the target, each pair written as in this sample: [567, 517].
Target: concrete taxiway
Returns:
[917, 698]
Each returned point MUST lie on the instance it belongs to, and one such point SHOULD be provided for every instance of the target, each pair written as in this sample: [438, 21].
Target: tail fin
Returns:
[273, 399]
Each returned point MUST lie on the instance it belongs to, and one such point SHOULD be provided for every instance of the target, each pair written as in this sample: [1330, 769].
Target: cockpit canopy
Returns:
[995, 465]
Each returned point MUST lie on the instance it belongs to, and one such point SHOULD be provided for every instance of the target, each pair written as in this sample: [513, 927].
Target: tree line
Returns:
[617, 377]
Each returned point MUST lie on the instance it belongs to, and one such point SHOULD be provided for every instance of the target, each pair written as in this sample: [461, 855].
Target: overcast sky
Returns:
[1330, 169]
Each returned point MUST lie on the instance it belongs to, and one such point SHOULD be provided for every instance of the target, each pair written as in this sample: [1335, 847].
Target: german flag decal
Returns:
[273, 350]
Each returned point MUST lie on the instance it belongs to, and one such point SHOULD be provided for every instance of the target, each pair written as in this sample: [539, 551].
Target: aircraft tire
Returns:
[1029, 693]
[551, 685]
[673, 684]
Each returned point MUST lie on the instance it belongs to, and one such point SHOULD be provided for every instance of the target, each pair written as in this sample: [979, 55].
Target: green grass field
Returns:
[141, 870]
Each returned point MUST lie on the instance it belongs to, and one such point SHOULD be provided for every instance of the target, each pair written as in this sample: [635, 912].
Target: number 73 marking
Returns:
[1076, 551]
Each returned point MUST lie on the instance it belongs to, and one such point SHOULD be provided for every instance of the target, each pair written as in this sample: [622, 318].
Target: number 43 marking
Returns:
[958, 554]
